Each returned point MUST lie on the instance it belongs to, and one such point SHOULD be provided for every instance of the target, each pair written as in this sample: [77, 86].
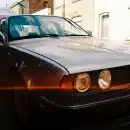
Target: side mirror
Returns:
[89, 32]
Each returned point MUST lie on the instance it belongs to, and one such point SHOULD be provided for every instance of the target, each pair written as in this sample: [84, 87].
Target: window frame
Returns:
[1, 22]
[101, 15]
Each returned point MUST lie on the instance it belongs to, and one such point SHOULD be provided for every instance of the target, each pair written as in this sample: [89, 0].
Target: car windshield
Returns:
[32, 26]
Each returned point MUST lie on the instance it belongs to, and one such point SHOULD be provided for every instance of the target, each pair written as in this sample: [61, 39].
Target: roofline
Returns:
[16, 3]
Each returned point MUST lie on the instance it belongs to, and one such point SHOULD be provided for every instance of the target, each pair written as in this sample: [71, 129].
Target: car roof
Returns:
[33, 15]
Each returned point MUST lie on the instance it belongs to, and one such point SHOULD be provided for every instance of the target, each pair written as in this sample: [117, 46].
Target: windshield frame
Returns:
[27, 37]
[71, 21]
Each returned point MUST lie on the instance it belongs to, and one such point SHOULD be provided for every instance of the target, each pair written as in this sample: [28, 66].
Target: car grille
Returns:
[120, 75]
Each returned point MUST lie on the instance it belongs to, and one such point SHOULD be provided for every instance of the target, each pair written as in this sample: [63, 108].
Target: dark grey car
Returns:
[50, 66]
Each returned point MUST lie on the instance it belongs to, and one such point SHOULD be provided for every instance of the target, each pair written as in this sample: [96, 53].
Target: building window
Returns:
[104, 25]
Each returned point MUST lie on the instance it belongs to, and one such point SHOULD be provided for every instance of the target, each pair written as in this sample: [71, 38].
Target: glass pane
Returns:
[105, 26]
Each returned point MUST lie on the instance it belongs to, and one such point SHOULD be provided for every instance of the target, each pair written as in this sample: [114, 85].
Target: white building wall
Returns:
[58, 7]
[16, 9]
[26, 5]
[119, 18]
[82, 8]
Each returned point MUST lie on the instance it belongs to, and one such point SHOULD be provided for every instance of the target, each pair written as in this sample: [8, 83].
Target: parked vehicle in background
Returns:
[51, 68]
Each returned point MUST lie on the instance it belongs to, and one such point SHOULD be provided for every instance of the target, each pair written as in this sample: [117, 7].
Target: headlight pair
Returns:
[83, 81]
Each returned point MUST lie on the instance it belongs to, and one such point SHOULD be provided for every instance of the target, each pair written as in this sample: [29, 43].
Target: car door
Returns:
[4, 54]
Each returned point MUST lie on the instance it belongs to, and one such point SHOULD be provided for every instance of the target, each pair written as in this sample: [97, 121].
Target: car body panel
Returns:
[65, 51]
[39, 67]
[77, 54]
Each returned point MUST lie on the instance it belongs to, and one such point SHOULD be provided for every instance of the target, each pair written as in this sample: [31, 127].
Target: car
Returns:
[51, 68]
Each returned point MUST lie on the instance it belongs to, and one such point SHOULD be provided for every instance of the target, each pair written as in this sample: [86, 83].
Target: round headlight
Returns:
[83, 83]
[104, 79]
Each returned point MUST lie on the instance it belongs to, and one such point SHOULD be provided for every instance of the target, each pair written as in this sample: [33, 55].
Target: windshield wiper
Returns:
[36, 36]
[75, 35]
[51, 35]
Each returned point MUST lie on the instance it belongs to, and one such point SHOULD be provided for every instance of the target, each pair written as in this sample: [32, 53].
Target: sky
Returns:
[9, 2]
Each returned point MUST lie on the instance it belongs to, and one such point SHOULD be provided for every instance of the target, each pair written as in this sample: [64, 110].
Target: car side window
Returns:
[3, 25]
[3, 28]
[1, 38]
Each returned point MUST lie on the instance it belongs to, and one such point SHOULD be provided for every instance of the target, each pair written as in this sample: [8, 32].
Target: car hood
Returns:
[79, 54]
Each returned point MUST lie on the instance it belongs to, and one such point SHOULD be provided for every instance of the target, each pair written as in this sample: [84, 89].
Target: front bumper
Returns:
[83, 116]
[104, 104]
